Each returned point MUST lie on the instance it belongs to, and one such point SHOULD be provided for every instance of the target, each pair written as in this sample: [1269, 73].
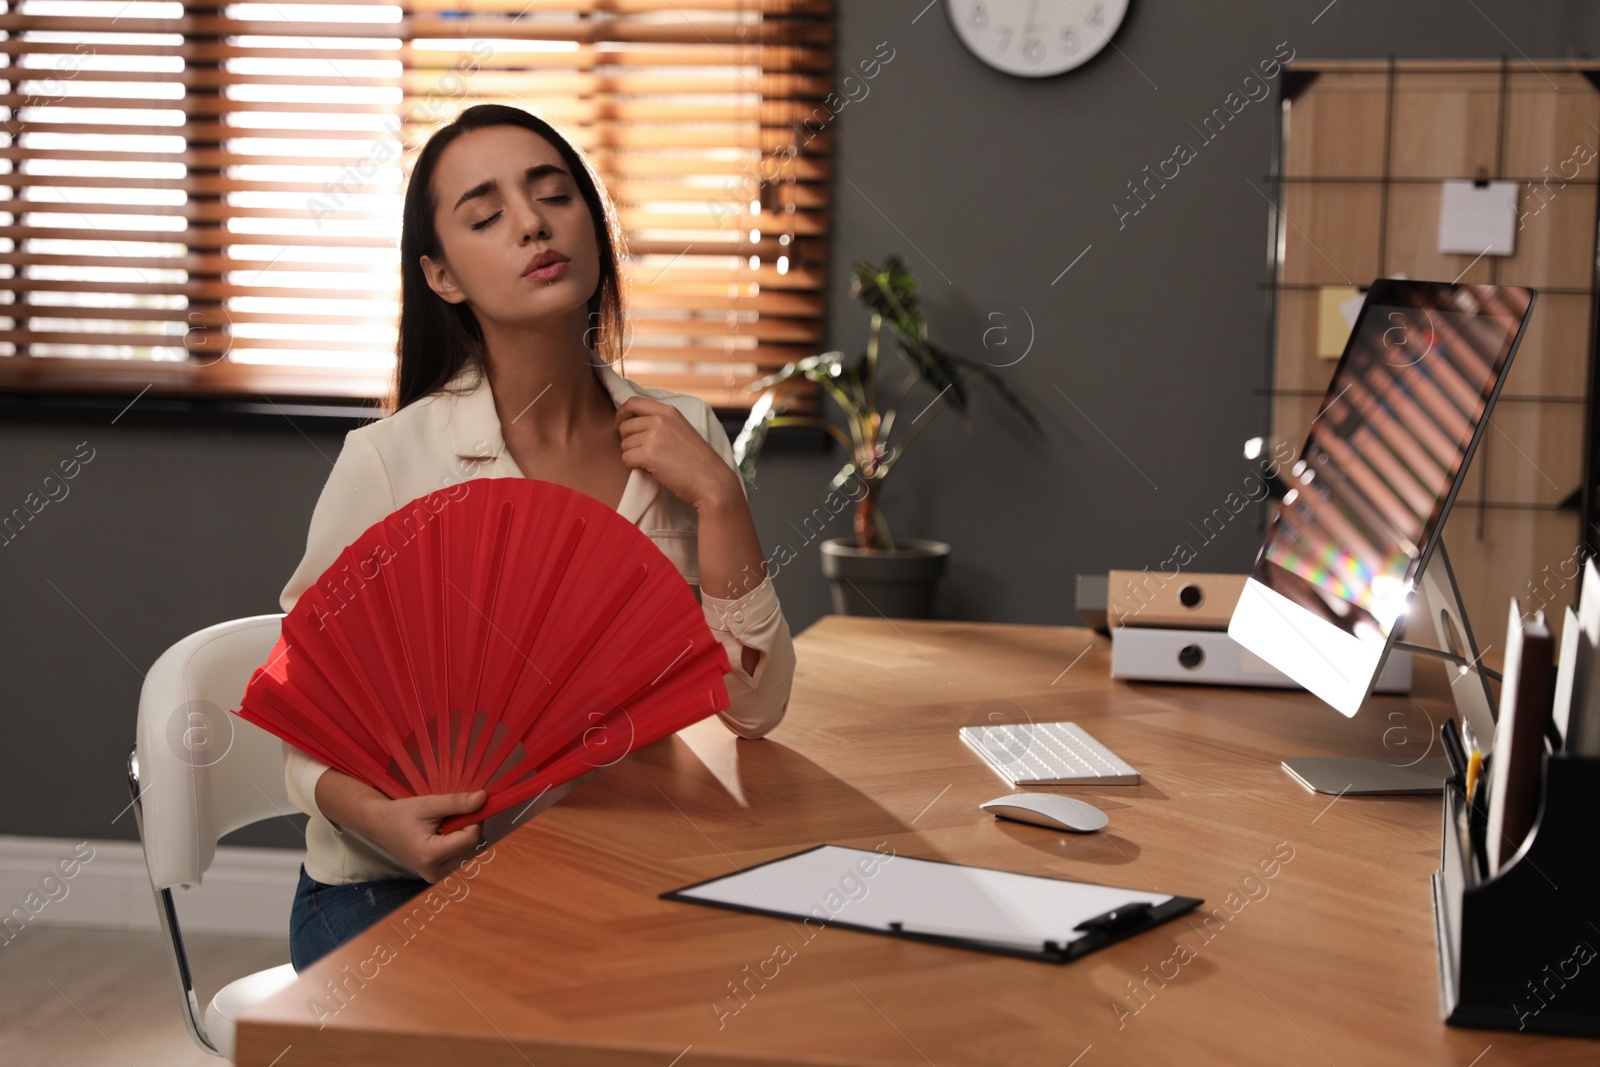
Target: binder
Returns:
[1028, 916]
[1186, 601]
[1210, 657]
[1091, 602]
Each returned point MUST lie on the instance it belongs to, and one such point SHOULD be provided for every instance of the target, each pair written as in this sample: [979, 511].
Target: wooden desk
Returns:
[560, 953]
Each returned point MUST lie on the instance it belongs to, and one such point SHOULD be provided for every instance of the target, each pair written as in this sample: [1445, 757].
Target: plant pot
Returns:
[871, 581]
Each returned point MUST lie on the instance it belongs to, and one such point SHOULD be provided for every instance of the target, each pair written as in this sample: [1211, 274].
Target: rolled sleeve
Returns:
[358, 494]
[300, 775]
[759, 699]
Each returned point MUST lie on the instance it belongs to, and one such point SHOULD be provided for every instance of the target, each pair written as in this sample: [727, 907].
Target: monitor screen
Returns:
[1367, 496]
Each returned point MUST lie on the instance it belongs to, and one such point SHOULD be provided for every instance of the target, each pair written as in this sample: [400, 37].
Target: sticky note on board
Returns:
[1477, 221]
[1351, 309]
[1333, 329]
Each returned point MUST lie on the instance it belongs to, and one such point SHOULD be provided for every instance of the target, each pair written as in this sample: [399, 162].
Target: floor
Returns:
[86, 998]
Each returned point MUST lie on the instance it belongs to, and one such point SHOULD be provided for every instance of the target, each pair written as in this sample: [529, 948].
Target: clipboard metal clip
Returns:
[1117, 918]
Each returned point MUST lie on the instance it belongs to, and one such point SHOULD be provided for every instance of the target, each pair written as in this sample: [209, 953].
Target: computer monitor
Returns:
[1366, 499]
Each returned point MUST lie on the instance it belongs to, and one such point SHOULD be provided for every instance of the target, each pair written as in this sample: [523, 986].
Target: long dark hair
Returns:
[437, 338]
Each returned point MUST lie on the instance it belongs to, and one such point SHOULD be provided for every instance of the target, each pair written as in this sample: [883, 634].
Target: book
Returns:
[1527, 693]
[1582, 734]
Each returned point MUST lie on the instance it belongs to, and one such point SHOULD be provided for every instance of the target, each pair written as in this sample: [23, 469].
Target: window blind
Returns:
[204, 199]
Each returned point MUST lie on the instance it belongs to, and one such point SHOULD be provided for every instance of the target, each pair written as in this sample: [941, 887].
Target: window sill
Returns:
[230, 395]
[219, 379]
[780, 438]
[207, 412]
[319, 416]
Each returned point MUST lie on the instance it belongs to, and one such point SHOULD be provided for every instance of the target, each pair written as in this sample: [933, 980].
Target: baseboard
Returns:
[247, 891]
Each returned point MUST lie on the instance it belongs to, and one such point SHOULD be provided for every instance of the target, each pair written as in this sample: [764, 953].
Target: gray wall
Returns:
[990, 187]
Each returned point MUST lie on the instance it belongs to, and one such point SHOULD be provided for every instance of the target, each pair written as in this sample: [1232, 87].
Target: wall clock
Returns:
[1035, 38]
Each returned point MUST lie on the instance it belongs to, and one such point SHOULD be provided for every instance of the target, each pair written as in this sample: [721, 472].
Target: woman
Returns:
[512, 311]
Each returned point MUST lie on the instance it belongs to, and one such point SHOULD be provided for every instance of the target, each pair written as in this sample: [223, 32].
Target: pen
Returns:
[1478, 823]
[1454, 749]
[1029, 944]
[1474, 766]
[1469, 737]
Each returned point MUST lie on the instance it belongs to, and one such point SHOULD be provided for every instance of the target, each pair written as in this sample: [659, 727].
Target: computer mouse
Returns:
[1050, 810]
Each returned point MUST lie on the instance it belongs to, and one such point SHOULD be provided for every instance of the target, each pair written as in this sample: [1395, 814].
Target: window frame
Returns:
[40, 383]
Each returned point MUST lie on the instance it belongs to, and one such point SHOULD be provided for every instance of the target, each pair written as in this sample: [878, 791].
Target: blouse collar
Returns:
[474, 430]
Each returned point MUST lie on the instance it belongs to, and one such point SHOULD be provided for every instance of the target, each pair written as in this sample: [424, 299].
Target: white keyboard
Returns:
[1048, 753]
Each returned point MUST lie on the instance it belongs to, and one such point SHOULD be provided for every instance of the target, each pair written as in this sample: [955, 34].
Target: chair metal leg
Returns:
[166, 909]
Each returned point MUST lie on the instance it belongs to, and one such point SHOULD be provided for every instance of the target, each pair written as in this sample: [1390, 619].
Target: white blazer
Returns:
[454, 435]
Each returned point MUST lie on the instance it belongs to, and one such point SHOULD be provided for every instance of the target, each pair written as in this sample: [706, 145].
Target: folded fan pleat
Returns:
[507, 634]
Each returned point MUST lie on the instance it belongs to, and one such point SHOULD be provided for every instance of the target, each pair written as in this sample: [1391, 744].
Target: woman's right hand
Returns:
[408, 827]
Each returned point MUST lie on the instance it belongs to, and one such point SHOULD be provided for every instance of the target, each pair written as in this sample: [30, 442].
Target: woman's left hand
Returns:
[657, 438]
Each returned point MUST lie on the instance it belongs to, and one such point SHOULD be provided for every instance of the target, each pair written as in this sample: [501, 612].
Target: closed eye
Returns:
[549, 199]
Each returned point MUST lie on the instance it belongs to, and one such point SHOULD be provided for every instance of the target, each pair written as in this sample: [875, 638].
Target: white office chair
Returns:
[197, 772]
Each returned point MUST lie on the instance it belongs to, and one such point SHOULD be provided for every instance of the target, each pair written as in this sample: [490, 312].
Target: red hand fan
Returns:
[504, 634]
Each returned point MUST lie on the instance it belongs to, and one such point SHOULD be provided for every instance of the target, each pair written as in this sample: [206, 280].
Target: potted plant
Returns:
[872, 572]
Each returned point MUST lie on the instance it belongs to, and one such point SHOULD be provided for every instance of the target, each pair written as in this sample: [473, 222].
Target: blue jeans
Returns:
[326, 916]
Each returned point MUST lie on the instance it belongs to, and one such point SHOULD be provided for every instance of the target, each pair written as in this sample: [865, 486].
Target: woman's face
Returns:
[504, 195]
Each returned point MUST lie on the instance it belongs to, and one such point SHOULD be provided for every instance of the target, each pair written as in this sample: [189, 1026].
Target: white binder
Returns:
[1211, 657]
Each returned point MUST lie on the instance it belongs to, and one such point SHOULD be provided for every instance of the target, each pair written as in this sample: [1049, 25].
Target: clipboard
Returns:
[1028, 916]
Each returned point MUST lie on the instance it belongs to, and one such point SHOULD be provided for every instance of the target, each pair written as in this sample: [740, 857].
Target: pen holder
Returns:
[1520, 950]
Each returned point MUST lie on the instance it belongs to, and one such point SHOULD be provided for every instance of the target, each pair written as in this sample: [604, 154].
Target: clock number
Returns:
[1017, 39]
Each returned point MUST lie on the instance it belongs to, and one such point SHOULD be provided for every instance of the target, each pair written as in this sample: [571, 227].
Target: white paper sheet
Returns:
[1566, 668]
[832, 883]
[1474, 221]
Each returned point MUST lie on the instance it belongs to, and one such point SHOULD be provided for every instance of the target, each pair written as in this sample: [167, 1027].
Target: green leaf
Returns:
[892, 293]
[890, 290]
[825, 368]
[809, 368]
[988, 374]
[937, 367]
[838, 481]
[753, 435]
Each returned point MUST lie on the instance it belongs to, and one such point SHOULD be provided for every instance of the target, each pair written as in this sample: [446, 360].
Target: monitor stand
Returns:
[1369, 775]
[1469, 687]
